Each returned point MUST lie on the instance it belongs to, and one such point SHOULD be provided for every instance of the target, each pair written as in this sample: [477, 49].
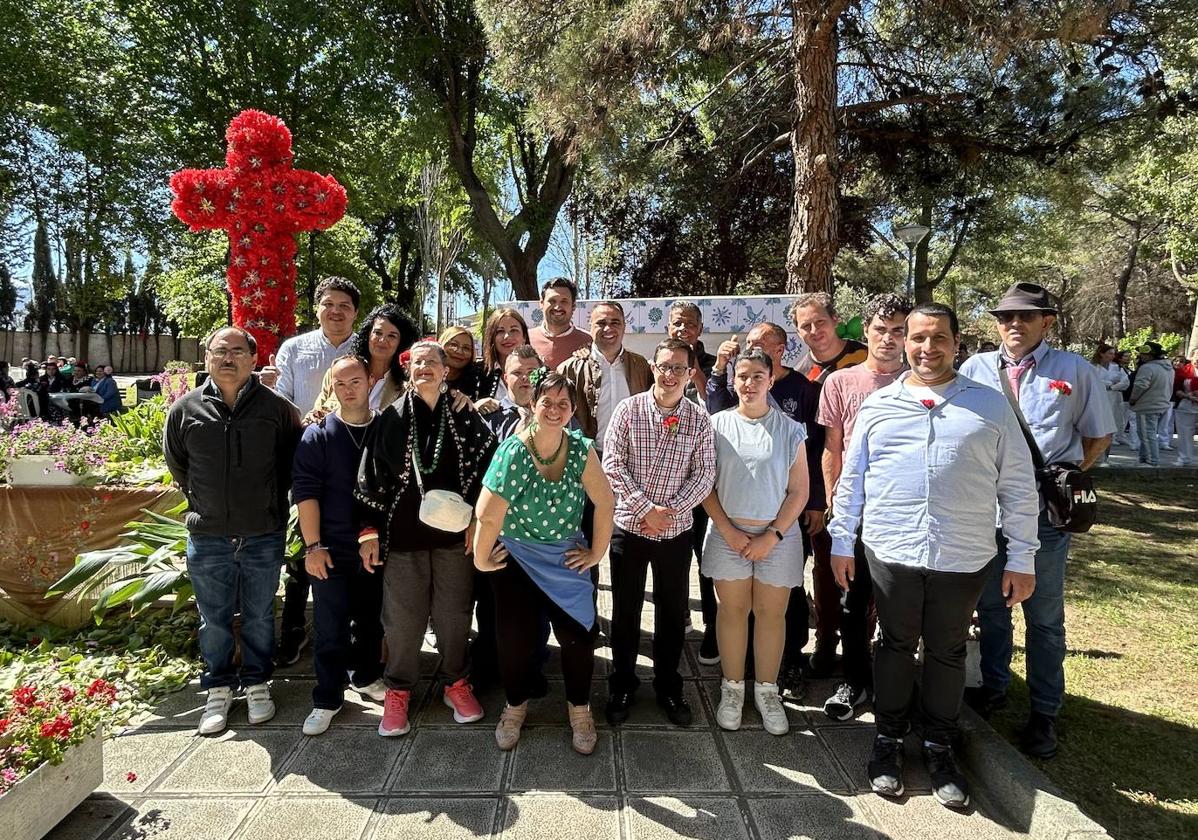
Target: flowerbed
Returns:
[41, 723]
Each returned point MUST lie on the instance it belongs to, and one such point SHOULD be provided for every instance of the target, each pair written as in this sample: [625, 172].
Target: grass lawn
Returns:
[1129, 729]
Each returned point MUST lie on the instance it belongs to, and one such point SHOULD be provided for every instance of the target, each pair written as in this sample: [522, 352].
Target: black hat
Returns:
[1023, 297]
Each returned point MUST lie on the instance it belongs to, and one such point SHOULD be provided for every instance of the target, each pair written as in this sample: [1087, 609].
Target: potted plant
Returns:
[41, 453]
[51, 754]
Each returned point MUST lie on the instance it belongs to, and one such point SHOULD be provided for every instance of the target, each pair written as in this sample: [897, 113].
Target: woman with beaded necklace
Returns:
[418, 445]
[531, 502]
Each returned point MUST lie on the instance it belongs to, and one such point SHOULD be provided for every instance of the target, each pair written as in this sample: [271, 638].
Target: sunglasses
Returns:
[1027, 316]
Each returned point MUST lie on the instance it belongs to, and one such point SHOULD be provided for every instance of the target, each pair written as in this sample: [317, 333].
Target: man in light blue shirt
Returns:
[1066, 407]
[296, 372]
[931, 457]
[298, 369]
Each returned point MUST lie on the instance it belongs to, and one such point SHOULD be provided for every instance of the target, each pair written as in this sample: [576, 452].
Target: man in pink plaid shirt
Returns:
[659, 455]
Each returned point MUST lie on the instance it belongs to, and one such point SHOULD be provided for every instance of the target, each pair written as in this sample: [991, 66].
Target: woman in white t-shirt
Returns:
[754, 551]
[1116, 381]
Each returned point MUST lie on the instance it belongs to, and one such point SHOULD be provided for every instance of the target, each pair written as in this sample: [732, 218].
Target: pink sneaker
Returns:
[460, 697]
[395, 713]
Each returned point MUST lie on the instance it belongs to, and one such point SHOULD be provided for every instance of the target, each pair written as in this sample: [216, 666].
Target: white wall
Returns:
[128, 353]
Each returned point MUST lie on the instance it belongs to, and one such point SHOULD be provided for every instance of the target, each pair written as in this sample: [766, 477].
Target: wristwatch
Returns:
[777, 533]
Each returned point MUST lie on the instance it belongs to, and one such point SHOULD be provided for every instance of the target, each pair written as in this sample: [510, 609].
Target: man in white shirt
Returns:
[296, 372]
[605, 372]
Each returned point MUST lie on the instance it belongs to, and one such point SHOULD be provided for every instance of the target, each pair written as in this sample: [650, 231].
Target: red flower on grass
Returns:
[1061, 386]
[671, 424]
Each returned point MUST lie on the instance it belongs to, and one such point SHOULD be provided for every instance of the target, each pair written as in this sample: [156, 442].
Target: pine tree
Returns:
[43, 305]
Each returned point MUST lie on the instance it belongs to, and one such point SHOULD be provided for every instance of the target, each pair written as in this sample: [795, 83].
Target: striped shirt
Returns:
[654, 457]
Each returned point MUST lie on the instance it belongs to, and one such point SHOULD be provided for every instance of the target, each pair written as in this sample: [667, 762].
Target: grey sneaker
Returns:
[948, 783]
[216, 710]
[261, 707]
[318, 722]
[843, 703]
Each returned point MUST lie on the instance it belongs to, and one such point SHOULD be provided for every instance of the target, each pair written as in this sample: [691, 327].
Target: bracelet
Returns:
[367, 535]
[315, 547]
[313, 544]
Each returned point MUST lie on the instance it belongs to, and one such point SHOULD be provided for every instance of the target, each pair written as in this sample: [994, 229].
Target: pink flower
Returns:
[9, 775]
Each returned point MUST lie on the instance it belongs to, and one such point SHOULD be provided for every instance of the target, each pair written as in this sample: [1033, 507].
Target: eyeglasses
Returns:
[508, 333]
[460, 348]
[236, 353]
[677, 370]
[1027, 316]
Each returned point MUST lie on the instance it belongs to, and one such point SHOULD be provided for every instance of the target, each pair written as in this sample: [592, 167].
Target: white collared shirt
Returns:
[302, 361]
[613, 387]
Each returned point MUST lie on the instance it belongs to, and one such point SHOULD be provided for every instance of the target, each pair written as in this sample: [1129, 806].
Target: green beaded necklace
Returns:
[532, 446]
[432, 468]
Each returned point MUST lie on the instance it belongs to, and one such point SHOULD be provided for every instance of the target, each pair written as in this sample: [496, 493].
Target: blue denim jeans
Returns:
[1150, 446]
[228, 573]
[1044, 615]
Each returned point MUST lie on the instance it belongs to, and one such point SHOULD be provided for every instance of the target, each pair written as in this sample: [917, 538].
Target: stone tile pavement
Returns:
[647, 779]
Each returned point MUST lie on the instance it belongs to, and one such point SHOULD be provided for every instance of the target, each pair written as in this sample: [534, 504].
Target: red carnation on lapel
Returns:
[928, 404]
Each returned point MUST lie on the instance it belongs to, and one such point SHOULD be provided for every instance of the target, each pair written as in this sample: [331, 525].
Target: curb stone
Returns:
[1028, 797]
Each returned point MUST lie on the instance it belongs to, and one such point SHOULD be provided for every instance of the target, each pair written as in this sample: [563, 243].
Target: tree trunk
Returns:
[815, 206]
[1129, 267]
[924, 289]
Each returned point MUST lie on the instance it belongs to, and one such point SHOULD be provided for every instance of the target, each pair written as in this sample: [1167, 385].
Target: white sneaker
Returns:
[261, 707]
[376, 691]
[732, 704]
[216, 711]
[317, 722]
[769, 706]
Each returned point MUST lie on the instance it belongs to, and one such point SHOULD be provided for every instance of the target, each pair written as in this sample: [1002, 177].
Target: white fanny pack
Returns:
[444, 510]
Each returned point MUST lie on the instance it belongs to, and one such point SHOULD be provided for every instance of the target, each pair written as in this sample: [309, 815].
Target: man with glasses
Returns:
[1063, 402]
[229, 445]
[797, 398]
[659, 455]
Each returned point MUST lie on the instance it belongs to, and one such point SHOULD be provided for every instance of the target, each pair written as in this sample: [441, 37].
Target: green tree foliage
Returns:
[42, 306]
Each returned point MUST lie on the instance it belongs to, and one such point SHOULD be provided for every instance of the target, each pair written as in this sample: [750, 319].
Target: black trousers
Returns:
[707, 600]
[484, 658]
[914, 602]
[631, 557]
[295, 600]
[347, 618]
[855, 624]
[798, 619]
[519, 605]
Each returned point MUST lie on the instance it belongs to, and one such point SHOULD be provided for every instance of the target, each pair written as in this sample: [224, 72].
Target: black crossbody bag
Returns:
[1068, 492]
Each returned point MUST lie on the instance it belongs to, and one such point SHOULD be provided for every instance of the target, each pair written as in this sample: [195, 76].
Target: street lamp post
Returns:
[911, 235]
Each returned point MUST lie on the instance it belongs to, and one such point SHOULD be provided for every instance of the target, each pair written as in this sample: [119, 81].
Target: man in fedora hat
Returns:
[1065, 406]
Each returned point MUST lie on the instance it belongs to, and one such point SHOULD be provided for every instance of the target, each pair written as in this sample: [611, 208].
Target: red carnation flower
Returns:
[102, 688]
[1061, 386]
[928, 404]
[23, 696]
[671, 424]
[66, 693]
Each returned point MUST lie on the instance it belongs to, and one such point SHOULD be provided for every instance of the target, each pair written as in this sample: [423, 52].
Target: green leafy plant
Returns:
[150, 565]
[1169, 342]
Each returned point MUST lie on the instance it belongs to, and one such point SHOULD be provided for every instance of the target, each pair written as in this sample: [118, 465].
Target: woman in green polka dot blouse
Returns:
[531, 503]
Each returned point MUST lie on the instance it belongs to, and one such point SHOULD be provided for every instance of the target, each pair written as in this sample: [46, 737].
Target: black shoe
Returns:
[291, 643]
[948, 783]
[1040, 736]
[822, 663]
[618, 705]
[676, 707]
[886, 766]
[843, 703]
[985, 701]
[791, 687]
[709, 649]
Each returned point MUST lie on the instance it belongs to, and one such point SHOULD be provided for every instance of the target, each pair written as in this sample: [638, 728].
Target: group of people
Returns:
[1150, 400]
[436, 491]
[63, 375]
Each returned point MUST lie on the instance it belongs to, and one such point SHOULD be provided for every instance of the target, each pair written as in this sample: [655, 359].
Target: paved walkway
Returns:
[647, 779]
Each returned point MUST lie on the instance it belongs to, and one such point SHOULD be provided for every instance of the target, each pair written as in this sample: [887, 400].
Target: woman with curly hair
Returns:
[385, 333]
